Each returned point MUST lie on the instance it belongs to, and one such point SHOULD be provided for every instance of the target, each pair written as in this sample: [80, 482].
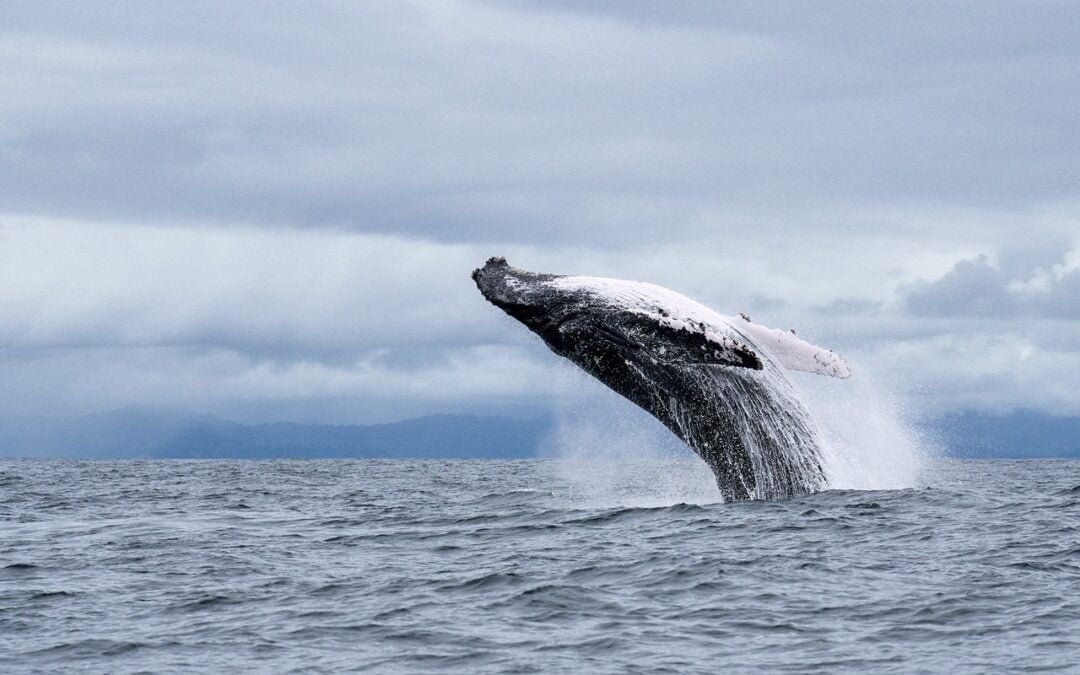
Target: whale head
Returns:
[594, 325]
[575, 323]
[523, 295]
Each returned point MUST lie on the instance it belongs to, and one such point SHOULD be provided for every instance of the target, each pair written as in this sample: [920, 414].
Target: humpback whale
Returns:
[715, 381]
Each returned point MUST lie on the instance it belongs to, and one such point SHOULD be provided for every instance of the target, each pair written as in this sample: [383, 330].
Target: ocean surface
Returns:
[531, 566]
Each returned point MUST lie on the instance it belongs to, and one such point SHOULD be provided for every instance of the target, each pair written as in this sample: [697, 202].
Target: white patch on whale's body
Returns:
[674, 310]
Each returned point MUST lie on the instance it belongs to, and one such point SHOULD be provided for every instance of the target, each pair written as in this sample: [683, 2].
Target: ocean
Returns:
[531, 566]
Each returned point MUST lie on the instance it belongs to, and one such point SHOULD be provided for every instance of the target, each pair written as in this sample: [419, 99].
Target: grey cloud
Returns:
[276, 295]
[512, 122]
[76, 381]
[1023, 284]
[971, 287]
[974, 368]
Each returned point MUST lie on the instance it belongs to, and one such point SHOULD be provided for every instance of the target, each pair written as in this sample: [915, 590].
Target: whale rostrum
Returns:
[715, 381]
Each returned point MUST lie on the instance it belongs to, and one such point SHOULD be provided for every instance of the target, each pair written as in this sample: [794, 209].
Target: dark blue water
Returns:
[529, 566]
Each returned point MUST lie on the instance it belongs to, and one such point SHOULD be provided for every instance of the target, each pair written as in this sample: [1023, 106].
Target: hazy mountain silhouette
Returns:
[154, 433]
[1020, 434]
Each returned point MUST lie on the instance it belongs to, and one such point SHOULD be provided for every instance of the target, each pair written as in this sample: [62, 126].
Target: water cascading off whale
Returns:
[715, 381]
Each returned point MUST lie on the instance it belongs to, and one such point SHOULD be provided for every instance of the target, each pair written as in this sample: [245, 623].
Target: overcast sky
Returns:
[269, 211]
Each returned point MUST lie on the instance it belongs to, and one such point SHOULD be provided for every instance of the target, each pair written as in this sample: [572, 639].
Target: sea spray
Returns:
[611, 452]
[870, 439]
[783, 443]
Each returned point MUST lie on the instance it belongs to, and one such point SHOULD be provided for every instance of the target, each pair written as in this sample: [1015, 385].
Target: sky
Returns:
[269, 211]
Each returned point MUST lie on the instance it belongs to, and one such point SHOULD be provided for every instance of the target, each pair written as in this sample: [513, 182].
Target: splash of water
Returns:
[848, 435]
[778, 434]
[870, 439]
[610, 453]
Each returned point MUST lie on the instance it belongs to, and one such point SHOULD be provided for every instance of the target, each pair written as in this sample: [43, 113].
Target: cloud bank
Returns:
[269, 210]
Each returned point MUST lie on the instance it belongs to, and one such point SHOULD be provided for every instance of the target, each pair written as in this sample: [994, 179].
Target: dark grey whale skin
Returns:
[663, 370]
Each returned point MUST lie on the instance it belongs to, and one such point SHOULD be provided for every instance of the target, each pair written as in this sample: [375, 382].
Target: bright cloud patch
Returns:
[984, 287]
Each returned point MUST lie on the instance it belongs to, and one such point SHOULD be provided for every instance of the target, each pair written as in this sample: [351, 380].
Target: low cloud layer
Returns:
[336, 326]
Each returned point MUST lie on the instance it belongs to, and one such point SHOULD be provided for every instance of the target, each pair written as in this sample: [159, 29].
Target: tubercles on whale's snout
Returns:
[492, 262]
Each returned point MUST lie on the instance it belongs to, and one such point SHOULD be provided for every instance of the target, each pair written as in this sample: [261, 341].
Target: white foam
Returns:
[609, 453]
[869, 441]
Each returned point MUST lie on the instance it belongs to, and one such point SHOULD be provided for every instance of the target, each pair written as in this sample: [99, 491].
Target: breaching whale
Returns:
[715, 381]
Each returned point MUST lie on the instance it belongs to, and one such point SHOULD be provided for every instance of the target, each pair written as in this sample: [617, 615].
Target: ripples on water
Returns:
[530, 566]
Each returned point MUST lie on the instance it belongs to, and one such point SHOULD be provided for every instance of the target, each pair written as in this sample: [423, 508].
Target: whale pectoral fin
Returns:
[792, 352]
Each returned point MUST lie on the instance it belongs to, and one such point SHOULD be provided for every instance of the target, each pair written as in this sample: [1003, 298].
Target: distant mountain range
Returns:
[141, 433]
[150, 433]
[1021, 434]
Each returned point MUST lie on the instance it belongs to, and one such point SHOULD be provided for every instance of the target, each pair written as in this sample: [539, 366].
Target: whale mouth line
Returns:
[595, 329]
[614, 338]
[568, 318]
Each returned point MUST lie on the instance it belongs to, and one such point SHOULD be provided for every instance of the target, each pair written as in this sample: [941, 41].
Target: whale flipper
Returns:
[792, 352]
